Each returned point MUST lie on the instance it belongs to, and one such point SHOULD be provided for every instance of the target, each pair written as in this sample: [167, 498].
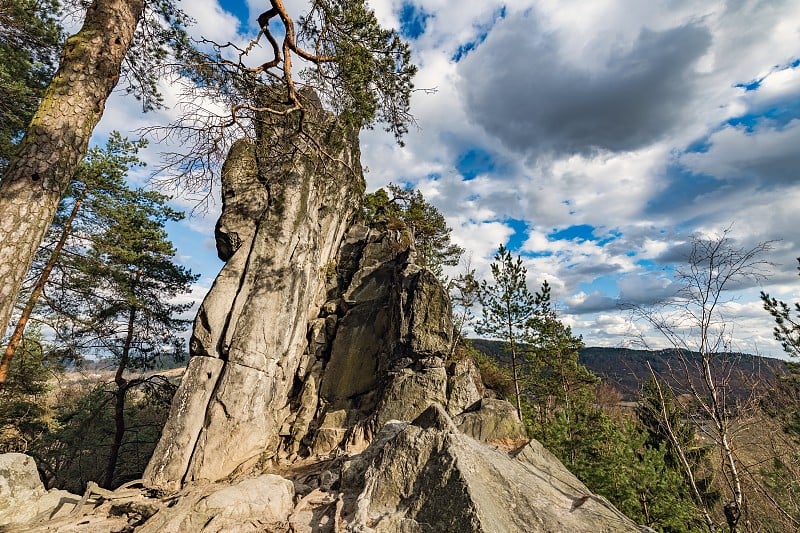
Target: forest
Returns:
[95, 308]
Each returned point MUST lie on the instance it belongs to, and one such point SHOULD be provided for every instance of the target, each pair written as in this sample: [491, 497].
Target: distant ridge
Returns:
[626, 369]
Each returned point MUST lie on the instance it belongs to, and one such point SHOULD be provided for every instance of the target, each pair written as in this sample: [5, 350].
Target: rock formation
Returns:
[321, 395]
[23, 497]
[282, 221]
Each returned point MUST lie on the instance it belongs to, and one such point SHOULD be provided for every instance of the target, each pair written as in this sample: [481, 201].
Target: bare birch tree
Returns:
[695, 324]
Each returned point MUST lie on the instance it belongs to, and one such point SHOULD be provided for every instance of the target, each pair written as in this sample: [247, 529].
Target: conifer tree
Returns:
[557, 381]
[30, 35]
[98, 180]
[112, 297]
[508, 310]
[464, 290]
[132, 282]
[428, 228]
[25, 417]
[787, 322]
[119, 38]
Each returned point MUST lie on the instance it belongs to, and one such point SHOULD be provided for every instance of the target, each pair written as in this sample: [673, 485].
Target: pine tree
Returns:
[557, 381]
[25, 416]
[464, 290]
[132, 280]
[508, 310]
[407, 207]
[99, 179]
[113, 299]
[787, 326]
[115, 33]
[30, 35]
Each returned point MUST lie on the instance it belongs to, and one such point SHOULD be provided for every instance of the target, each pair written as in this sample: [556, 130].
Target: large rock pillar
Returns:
[286, 207]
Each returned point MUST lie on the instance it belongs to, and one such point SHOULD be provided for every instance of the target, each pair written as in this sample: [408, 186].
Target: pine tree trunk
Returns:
[515, 372]
[119, 401]
[19, 329]
[58, 137]
[119, 434]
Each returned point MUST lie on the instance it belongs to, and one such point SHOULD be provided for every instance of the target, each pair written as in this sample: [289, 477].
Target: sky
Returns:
[592, 138]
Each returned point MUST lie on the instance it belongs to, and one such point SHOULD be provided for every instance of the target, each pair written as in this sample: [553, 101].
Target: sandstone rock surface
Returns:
[263, 503]
[282, 221]
[23, 497]
[492, 421]
[435, 478]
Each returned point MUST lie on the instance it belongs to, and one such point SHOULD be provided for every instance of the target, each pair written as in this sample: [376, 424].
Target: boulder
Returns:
[23, 497]
[431, 478]
[464, 385]
[493, 421]
[263, 503]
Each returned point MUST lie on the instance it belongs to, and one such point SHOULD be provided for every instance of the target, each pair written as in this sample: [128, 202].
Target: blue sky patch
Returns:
[581, 232]
[520, 234]
[468, 47]
[683, 188]
[777, 116]
[473, 162]
[534, 255]
[203, 259]
[611, 236]
[413, 20]
[603, 284]
[749, 86]
[239, 10]
[649, 264]
[700, 146]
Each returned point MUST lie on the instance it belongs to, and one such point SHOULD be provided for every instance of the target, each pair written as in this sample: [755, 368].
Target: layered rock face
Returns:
[281, 225]
[377, 352]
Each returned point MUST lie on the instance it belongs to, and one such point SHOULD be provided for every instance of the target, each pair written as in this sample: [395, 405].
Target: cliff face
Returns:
[321, 394]
[281, 225]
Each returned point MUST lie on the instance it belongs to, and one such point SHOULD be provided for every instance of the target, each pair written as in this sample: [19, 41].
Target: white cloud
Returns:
[211, 20]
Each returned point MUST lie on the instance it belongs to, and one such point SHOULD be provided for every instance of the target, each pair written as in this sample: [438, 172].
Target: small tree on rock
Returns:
[409, 208]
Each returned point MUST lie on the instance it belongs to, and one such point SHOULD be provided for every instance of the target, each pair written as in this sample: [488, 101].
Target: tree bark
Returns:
[19, 329]
[58, 137]
[514, 366]
[119, 400]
